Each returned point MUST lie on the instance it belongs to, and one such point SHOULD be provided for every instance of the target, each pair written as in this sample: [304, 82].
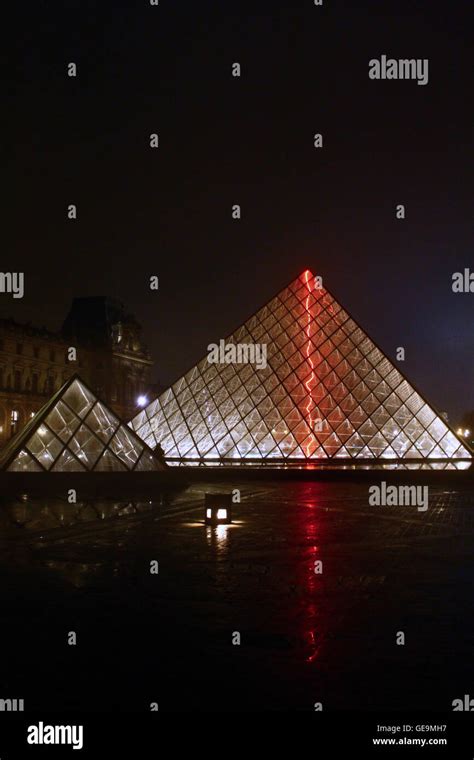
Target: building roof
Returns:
[91, 319]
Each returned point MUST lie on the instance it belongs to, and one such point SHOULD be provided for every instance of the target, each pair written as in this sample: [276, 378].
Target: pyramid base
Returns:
[331, 464]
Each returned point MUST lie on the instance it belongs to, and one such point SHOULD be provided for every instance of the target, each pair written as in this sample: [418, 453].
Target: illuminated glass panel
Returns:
[24, 462]
[62, 421]
[102, 422]
[44, 446]
[86, 446]
[66, 462]
[109, 463]
[79, 398]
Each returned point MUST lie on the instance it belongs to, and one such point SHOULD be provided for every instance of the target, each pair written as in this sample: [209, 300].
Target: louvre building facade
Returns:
[327, 392]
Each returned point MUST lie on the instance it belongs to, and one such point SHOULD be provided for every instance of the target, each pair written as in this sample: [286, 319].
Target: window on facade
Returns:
[18, 380]
[34, 382]
[14, 417]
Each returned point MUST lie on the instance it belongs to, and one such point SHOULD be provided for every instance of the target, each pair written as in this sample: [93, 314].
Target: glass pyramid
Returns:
[76, 432]
[327, 391]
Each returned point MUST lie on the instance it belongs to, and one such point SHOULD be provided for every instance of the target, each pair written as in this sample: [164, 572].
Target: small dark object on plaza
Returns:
[218, 508]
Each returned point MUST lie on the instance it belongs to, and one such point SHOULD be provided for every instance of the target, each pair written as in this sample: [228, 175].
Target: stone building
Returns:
[35, 362]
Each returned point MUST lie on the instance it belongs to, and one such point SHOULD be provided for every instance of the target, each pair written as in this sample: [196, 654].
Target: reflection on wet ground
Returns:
[306, 636]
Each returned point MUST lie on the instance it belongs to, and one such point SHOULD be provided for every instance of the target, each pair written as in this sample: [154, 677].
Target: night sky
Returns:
[246, 141]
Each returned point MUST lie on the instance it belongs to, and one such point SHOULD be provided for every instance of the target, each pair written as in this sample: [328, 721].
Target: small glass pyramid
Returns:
[76, 432]
[327, 392]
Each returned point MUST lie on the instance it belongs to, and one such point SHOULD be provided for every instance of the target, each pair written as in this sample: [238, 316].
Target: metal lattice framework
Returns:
[327, 392]
[76, 432]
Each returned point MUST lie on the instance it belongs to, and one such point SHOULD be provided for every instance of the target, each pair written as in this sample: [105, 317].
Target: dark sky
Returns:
[167, 69]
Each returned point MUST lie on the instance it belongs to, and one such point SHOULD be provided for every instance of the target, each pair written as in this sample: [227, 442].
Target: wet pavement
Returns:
[305, 637]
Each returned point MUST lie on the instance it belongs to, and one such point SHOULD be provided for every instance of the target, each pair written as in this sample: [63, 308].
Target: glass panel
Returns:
[377, 444]
[45, 446]
[87, 447]
[402, 415]
[137, 422]
[375, 356]
[354, 445]
[383, 390]
[145, 433]
[391, 375]
[392, 403]
[62, 421]
[125, 447]
[425, 444]
[414, 403]
[390, 430]
[153, 408]
[380, 416]
[449, 443]
[224, 445]
[414, 429]
[109, 463]
[102, 422]
[345, 430]
[364, 368]
[426, 416]
[370, 404]
[147, 462]
[438, 429]
[367, 430]
[79, 398]
[400, 444]
[24, 462]
[404, 390]
[185, 445]
[67, 463]
[199, 432]
[204, 445]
